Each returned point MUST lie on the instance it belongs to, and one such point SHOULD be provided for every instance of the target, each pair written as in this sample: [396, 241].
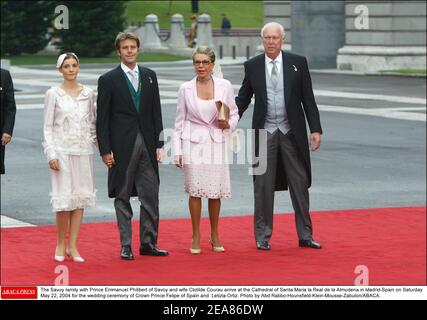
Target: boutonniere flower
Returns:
[295, 68]
[151, 80]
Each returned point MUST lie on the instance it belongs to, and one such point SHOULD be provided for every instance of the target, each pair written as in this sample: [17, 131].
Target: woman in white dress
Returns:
[68, 137]
[201, 143]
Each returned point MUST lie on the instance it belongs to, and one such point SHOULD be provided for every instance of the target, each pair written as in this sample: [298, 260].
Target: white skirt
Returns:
[206, 170]
[73, 185]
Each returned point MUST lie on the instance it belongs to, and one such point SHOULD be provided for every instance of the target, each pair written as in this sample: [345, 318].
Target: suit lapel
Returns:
[261, 73]
[146, 87]
[124, 88]
[287, 77]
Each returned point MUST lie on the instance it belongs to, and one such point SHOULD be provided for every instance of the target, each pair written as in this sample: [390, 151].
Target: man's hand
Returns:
[54, 164]
[178, 161]
[315, 139]
[5, 139]
[108, 159]
[159, 154]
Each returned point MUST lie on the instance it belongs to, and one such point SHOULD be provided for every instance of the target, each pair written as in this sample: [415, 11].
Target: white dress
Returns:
[69, 132]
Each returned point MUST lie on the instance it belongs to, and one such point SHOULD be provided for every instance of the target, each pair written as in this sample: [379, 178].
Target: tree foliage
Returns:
[24, 26]
[93, 27]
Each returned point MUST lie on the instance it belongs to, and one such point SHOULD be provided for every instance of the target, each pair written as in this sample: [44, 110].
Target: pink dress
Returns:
[202, 144]
[206, 169]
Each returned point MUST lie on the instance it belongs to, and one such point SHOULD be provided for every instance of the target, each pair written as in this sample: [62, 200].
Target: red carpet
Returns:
[391, 242]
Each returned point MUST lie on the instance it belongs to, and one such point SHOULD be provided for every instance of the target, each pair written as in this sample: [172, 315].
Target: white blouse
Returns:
[69, 123]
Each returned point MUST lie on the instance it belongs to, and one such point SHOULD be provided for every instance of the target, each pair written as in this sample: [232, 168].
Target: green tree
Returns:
[24, 26]
[93, 27]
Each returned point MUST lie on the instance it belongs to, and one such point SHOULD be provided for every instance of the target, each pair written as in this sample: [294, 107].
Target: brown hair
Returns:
[124, 36]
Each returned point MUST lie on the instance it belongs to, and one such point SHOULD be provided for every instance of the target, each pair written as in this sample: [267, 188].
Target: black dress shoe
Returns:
[309, 244]
[263, 245]
[126, 253]
[152, 250]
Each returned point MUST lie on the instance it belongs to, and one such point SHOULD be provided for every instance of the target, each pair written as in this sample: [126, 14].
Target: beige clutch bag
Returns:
[223, 111]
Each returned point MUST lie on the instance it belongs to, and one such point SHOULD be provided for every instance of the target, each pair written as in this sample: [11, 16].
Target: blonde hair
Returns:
[204, 50]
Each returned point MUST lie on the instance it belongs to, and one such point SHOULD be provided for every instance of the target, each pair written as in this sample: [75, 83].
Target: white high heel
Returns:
[59, 258]
[75, 259]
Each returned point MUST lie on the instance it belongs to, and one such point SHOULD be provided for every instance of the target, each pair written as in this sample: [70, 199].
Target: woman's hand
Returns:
[54, 164]
[223, 124]
[179, 161]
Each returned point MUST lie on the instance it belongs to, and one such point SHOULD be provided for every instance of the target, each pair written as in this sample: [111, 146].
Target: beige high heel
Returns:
[195, 251]
[216, 249]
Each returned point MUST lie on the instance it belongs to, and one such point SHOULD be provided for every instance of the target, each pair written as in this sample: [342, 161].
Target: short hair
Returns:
[273, 24]
[124, 36]
[205, 50]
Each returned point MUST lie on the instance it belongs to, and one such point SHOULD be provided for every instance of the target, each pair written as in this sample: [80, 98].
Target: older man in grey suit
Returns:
[283, 100]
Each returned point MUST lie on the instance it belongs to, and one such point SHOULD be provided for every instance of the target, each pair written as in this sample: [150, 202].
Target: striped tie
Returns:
[274, 74]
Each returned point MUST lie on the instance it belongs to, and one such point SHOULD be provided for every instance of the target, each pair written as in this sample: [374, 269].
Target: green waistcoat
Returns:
[136, 95]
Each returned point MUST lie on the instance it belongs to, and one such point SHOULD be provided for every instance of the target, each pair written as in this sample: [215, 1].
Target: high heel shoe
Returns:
[215, 248]
[195, 251]
[75, 259]
[59, 258]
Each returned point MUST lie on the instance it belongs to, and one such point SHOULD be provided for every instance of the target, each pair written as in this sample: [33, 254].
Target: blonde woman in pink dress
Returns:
[68, 137]
[201, 143]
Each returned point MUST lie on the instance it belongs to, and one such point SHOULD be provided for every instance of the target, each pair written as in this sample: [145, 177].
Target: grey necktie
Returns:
[274, 74]
[134, 79]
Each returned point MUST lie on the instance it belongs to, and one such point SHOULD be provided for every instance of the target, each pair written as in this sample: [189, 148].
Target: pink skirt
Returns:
[73, 185]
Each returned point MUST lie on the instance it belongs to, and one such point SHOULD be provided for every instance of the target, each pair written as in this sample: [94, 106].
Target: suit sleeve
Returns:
[103, 116]
[246, 92]
[10, 106]
[309, 102]
[234, 112]
[157, 114]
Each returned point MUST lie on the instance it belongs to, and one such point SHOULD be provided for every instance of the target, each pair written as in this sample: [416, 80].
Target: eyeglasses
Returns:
[204, 62]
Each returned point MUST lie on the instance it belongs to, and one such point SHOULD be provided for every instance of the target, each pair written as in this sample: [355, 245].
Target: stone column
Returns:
[177, 35]
[280, 12]
[318, 30]
[204, 31]
[387, 35]
[151, 39]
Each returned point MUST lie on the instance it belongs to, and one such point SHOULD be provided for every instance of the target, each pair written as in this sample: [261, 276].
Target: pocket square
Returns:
[295, 68]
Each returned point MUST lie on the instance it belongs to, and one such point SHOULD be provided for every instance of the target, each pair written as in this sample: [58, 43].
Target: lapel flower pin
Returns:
[295, 68]
[151, 80]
